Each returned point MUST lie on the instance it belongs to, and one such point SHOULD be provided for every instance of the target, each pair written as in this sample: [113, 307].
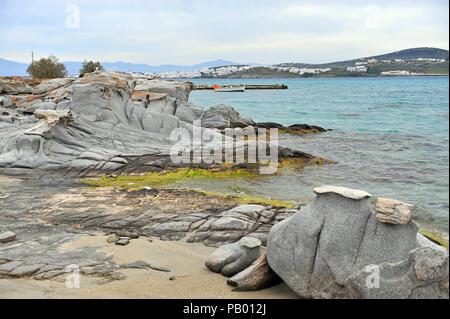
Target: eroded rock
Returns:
[257, 276]
[393, 211]
[316, 250]
[423, 274]
[233, 258]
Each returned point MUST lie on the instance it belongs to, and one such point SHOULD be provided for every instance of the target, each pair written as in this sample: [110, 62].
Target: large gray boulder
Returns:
[224, 116]
[318, 249]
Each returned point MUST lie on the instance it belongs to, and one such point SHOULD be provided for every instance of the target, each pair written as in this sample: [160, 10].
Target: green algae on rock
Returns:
[166, 178]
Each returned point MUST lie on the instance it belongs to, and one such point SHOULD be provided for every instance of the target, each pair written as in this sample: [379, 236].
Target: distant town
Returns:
[369, 67]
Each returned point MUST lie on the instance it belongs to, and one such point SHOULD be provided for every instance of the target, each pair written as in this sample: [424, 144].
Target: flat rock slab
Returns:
[344, 191]
[7, 237]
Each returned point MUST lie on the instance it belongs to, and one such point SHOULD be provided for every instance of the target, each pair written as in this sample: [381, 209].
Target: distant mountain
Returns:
[12, 68]
[16, 68]
[412, 53]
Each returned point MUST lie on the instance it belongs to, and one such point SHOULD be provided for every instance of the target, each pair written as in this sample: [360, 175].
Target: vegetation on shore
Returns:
[89, 67]
[47, 68]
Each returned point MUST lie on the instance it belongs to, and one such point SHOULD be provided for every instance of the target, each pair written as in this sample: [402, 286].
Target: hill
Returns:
[413, 53]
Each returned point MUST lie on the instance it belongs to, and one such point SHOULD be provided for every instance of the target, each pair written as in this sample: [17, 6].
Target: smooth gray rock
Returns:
[188, 112]
[233, 258]
[224, 116]
[316, 250]
[229, 223]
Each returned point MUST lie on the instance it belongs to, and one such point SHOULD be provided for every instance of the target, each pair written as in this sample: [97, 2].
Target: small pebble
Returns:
[123, 241]
[112, 239]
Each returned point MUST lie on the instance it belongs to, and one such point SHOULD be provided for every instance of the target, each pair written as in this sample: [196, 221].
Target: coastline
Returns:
[118, 235]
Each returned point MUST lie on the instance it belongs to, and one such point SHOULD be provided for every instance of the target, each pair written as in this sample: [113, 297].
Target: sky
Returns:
[187, 32]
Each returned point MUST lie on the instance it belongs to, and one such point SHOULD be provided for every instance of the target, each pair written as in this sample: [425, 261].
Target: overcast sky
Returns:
[192, 31]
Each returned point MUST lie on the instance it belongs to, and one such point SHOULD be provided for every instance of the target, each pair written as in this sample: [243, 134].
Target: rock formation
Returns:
[323, 250]
[91, 123]
[233, 258]
[255, 277]
[102, 122]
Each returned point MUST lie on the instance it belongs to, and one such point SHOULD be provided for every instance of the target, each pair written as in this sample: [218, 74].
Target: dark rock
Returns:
[269, 125]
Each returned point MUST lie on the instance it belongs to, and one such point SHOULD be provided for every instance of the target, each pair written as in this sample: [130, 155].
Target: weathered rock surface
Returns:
[94, 123]
[422, 275]
[317, 250]
[255, 277]
[101, 123]
[48, 212]
[393, 211]
[231, 259]
[231, 225]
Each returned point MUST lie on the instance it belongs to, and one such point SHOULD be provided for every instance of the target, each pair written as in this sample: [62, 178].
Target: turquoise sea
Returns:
[390, 137]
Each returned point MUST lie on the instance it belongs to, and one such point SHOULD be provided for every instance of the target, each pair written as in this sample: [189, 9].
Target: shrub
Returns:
[47, 68]
[89, 67]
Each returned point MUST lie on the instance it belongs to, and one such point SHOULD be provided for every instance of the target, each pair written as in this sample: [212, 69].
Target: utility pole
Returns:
[32, 58]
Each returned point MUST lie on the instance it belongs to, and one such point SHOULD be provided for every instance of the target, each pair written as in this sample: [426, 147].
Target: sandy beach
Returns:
[186, 262]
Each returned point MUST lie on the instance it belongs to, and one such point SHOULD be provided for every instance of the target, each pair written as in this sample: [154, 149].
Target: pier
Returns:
[247, 87]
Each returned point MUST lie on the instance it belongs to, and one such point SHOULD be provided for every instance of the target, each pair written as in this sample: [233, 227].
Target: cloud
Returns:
[192, 31]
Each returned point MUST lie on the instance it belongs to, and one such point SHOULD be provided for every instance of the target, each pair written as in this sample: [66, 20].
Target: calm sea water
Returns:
[391, 137]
